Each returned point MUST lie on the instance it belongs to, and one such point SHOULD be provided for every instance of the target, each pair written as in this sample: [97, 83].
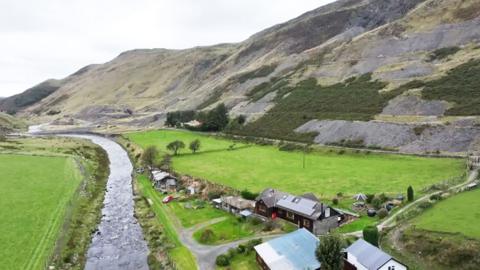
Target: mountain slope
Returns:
[371, 60]
[160, 80]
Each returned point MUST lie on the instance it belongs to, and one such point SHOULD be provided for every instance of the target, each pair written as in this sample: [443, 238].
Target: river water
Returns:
[119, 242]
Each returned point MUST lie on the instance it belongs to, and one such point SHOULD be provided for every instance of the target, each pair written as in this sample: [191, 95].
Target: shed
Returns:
[364, 255]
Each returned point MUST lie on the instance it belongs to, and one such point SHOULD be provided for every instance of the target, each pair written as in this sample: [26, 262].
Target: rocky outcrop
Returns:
[458, 137]
[414, 105]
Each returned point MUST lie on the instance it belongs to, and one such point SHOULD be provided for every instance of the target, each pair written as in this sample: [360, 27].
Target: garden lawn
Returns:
[35, 194]
[327, 172]
[180, 255]
[358, 225]
[242, 262]
[190, 217]
[227, 231]
[458, 214]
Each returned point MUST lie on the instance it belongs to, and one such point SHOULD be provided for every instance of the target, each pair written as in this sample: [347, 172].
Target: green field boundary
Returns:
[180, 255]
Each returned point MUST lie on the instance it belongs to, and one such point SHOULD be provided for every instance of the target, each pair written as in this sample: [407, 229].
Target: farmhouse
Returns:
[361, 255]
[293, 251]
[304, 211]
[163, 181]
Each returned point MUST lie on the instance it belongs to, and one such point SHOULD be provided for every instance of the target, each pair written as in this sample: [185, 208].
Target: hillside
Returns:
[397, 68]
[10, 123]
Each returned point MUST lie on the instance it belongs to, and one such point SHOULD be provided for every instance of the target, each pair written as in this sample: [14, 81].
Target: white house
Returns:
[362, 255]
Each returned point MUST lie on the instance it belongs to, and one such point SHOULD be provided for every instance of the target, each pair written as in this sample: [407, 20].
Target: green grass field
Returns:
[257, 167]
[242, 262]
[227, 231]
[35, 194]
[191, 217]
[182, 257]
[458, 214]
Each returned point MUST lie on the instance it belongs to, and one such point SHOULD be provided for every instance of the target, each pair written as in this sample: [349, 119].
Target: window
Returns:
[290, 215]
[391, 268]
[306, 223]
[262, 208]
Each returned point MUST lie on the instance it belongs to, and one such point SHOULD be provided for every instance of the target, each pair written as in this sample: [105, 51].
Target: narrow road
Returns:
[207, 254]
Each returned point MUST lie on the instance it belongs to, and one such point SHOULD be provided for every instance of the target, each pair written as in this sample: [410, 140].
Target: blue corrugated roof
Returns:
[298, 247]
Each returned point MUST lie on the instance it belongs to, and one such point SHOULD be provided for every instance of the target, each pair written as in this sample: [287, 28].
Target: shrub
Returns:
[241, 249]
[436, 197]
[222, 260]
[231, 253]
[383, 197]
[377, 203]
[425, 205]
[335, 201]
[382, 213]
[410, 194]
[150, 155]
[255, 221]
[370, 198]
[269, 226]
[247, 195]
[214, 194]
[370, 234]
[207, 236]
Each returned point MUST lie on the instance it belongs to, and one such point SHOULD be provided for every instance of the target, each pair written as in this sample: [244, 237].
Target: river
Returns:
[119, 242]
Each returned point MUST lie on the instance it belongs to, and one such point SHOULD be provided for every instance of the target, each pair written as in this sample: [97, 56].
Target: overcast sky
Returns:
[41, 39]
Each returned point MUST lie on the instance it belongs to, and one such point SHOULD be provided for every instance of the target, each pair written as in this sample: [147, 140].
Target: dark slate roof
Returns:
[301, 205]
[368, 255]
[270, 197]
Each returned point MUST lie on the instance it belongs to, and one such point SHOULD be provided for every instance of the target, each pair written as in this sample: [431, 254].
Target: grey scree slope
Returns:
[119, 242]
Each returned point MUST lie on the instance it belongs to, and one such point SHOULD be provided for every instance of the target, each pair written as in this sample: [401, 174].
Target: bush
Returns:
[410, 194]
[247, 195]
[214, 194]
[250, 244]
[370, 197]
[241, 249]
[383, 197]
[436, 197]
[370, 234]
[231, 253]
[425, 205]
[255, 221]
[442, 53]
[382, 213]
[207, 236]
[269, 226]
[222, 260]
[335, 201]
[377, 203]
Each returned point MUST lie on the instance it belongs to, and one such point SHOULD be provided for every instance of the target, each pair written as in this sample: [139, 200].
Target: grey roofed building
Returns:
[270, 196]
[369, 256]
[302, 206]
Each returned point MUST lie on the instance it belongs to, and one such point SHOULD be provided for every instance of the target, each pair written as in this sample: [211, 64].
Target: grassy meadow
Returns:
[326, 173]
[458, 214]
[35, 193]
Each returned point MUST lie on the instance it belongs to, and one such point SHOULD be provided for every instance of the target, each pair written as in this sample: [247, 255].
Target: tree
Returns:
[216, 119]
[150, 155]
[370, 234]
[329, 252]
[410, 194]
[175, 146]
[194, 145]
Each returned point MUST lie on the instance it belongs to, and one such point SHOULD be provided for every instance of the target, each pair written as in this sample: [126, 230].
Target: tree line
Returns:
[212, 120]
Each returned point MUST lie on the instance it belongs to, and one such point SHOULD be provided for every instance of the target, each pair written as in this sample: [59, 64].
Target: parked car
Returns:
[389, 206]
[168, 199]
